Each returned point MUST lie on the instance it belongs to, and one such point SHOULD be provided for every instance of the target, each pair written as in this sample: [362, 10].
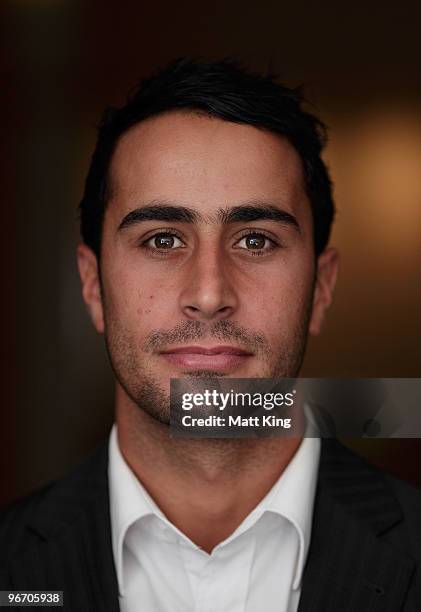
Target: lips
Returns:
[207, 358]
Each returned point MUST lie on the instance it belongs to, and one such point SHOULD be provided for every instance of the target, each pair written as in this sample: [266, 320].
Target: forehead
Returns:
[205, 163]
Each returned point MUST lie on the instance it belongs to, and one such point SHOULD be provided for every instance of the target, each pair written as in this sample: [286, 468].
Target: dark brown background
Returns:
[65, 60]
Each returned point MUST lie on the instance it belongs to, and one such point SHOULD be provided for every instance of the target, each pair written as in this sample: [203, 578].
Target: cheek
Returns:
[140, 303]
[281, 300]
[145, 304]
[285, 290]
[154, 307]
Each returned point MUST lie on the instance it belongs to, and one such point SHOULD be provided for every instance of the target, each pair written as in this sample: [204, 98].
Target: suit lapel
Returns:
[70, 542]
[350, 565]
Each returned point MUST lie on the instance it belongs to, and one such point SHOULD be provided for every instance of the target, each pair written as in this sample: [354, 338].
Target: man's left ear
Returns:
[327, 271]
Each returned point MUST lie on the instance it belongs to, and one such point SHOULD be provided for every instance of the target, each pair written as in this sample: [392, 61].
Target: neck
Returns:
[222, 479]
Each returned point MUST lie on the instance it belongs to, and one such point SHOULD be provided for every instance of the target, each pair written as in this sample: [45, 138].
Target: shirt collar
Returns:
[129, 502]
[292, 497]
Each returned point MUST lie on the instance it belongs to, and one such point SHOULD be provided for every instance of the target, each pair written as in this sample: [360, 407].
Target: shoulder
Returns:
[406, 493]
[406, 534]
[409, 499]
[390, 506]
[42, 511]
[15, 517]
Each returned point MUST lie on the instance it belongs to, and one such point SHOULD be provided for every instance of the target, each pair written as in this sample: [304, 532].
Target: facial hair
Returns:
[135, 374]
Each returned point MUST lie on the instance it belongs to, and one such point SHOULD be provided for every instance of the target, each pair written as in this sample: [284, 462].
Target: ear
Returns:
[91, 285]
[327, 271]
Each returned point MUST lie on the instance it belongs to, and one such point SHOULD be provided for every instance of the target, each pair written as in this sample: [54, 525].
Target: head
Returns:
[205, 224]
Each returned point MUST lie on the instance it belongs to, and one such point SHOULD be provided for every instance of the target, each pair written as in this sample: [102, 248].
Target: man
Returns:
[205, 223]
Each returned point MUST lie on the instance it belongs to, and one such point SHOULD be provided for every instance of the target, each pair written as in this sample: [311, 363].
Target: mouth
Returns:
[218, 358]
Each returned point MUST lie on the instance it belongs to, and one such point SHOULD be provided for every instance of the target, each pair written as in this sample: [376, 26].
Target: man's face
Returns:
[207, 260]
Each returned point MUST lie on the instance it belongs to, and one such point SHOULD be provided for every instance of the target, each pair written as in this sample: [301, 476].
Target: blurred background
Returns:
[63, 61]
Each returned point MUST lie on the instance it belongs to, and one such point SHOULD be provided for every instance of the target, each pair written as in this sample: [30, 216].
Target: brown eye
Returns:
[164, 242]
[255, 242]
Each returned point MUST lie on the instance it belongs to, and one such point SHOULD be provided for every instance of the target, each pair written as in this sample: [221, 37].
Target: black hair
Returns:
[224, 90]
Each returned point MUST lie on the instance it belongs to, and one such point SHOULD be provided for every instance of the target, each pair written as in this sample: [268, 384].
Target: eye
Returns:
[164, 241]
[257, 242]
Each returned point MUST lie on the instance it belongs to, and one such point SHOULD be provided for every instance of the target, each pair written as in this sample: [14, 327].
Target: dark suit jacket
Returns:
[364, 555]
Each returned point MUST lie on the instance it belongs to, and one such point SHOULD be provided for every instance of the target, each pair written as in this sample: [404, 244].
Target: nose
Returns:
[208, 293]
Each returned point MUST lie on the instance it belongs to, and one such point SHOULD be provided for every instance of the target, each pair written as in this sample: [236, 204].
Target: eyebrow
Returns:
[256, 211]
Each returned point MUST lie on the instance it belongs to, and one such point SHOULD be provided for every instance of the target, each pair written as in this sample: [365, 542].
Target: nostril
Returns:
[208, 314]
[192, 309]
[225, 310]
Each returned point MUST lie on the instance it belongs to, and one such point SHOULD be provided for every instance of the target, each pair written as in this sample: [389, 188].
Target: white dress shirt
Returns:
[258, 567]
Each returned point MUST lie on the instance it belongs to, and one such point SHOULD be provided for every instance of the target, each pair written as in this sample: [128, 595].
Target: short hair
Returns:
[227, 91]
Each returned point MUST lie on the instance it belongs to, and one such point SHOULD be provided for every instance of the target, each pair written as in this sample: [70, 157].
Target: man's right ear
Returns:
[91, 285]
